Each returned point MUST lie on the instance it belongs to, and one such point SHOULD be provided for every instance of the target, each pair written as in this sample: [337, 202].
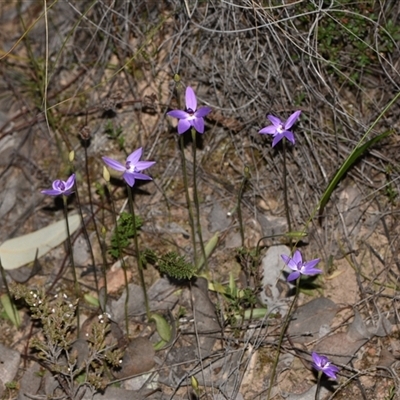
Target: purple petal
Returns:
[198, 124]
[190, 97]
[312, 271]
[69, 185]
[70, 181]
[277, 139]
[138, 175]
[311, 264]
[183, 126]
[330, 373]
[67, 192]
[268, 130]
[178, 114]
[289, 136]
[141, 165]
[275, 120]
[134, 157]
[335, 368]
[114, 164]
[202, 112]
[292, 119]
[316, 358]
[289, 262]
[129, 178]
[293, 276]
[297, 258]
[322, 363]
[56, 185]
[51, 192]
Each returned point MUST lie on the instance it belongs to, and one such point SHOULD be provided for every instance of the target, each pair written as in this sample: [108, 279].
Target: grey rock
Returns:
[272, 225]
[273, 280]
[218, 218]
[30, 383]
[9, 363]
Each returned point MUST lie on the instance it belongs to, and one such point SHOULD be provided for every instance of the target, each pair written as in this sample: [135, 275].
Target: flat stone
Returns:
[9, 363]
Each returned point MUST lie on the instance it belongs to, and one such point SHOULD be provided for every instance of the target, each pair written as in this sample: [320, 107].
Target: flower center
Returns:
[190, 111]
[130, 167]
[61, 186]
[324, 364]
[280, 128]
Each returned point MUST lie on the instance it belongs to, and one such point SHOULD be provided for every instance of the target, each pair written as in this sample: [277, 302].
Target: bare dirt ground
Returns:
[97, 78]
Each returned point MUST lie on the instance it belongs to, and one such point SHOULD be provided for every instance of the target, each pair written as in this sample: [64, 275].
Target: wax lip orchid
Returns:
[322, 364]
[60, 187]
[192, 116]
[280, 129]
[300, 267]
[131, 169]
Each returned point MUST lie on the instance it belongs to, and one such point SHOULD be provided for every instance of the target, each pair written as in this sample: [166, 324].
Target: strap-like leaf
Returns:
[16, 252]
[350, 161]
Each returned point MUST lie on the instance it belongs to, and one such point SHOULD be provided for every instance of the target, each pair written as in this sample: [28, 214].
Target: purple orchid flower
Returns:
[192, 116]
[61, 188]
[322, 363]
[299, 267]
[131, 169]
[280, 129]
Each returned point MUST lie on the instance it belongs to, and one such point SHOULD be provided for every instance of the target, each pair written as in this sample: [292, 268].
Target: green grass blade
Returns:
[10, 310]
[209, 248]
[352, 158]
[350, 161]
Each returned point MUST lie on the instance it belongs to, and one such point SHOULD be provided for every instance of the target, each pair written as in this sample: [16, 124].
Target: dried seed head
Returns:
[109, 104]
[85, 133]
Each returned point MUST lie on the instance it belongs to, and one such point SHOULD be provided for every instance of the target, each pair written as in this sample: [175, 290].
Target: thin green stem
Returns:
[96, 229]
[318, 385]
[86, 235]
[197, 203]
[284, 327]
[138, 257]
[239, 202]
[71, 255]
[188, 202]
[121, 259]
[69, 242]
[285, 188]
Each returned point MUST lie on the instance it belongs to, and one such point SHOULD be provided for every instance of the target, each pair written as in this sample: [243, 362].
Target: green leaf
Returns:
[216, 287]
[94, 301]
[232, 285]
[210, 246]
[295, 234]
[163, 328]
[255, 313]
[126, 228]
[10, 310]
[160, 345]
[175, 266]
[350, 161]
